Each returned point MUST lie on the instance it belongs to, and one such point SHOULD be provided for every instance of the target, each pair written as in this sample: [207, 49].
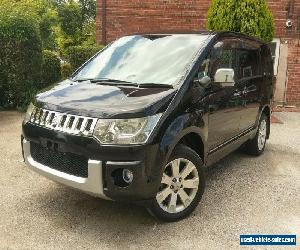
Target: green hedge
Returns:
[20, 59]
[51, 71]
[78, 55]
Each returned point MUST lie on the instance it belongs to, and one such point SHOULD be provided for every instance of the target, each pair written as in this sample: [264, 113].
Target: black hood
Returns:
[103, 101]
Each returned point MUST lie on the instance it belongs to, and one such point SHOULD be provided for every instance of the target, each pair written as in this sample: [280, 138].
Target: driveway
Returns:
[244, 195]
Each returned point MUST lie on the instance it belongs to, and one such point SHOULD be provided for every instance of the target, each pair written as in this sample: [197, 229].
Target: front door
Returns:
[225, 101]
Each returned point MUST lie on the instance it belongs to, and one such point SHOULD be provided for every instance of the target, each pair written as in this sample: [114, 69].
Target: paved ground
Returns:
[243, 195]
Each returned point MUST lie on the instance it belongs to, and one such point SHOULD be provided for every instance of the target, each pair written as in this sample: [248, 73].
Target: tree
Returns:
[41, 11]
[48, 22]
[87, 7]
[70, 18]
[251, 17]
[20, 57]
[88, 10]
[77, 23]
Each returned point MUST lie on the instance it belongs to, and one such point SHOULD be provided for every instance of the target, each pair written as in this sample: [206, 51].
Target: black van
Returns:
[142, 119]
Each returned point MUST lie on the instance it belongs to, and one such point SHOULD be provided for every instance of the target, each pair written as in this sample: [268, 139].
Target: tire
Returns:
[257, 145]
[181, 188]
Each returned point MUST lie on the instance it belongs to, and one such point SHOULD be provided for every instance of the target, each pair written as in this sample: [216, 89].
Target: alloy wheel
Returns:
[179, 186]
[262, 134]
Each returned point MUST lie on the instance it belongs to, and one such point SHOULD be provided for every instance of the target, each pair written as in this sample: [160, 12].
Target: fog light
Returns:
[127, 176]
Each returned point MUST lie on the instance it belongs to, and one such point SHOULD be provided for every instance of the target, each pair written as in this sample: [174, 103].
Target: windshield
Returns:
[144, 59]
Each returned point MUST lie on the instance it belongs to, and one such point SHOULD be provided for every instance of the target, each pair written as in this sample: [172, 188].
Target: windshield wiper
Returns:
[155, 85]
[109, 81]
[100, 80]
[82, 80]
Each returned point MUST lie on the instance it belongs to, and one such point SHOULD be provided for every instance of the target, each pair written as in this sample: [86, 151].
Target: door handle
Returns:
[237, 93]
[252, 88]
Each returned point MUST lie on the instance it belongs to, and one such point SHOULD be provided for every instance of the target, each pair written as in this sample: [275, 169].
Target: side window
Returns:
[248, 62]
[204, 69]
[222, 65]
[222, 56]
[266, 61]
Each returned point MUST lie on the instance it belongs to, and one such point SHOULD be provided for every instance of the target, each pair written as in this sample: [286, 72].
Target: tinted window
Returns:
[248, 60]
[145, 59]
[266, 61]
[248, 63]
[223, 56]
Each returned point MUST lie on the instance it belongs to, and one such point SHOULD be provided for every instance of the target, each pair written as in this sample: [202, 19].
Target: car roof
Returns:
[217, 34]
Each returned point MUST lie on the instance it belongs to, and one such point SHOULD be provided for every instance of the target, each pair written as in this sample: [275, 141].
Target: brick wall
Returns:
[281, 14]
[291, 37]
[293, 82]
[131, 16]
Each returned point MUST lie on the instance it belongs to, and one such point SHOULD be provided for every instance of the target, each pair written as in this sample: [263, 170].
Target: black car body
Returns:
[212, 106]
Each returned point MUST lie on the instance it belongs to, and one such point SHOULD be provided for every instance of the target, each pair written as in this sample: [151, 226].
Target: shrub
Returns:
[78, 55]
[43, 13]
[51, 71]
[71, 19]
[251, 17]
[20, 59]
[66, 70]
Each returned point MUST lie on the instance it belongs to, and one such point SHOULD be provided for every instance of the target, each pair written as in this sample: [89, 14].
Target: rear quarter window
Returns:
[248, 63]
[266, 61]
[248, 60]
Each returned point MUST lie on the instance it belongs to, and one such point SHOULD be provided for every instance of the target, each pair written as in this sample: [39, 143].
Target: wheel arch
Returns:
[195, 142]
[192, 137]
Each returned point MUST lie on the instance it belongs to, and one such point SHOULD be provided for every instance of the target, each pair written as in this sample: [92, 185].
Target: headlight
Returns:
[29, 111]
[125, 131]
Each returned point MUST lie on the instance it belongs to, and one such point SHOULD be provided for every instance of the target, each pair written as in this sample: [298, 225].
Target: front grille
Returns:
[72, 124]
[64, 162]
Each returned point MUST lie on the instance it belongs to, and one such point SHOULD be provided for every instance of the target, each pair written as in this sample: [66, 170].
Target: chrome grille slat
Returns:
[48, 119]
[59, 119]
[93, 125]
[76, 119]
[83, 125]
[62, 121]
[41, 116]
[67, 123]
[44, 117]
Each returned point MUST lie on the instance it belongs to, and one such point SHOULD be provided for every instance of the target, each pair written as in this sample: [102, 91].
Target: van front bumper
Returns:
[93, 184]
[144, 161]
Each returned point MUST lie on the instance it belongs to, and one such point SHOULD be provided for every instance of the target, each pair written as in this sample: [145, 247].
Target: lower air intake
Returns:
[68, 163]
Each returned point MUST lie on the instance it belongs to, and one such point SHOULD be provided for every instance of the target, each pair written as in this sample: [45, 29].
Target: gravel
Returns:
[244, 195]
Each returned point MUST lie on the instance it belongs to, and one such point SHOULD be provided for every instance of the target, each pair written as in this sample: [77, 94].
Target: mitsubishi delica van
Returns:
[144, 118]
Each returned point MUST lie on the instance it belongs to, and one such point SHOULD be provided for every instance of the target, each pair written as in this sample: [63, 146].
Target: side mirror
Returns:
[225, 77]
[205, 81]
